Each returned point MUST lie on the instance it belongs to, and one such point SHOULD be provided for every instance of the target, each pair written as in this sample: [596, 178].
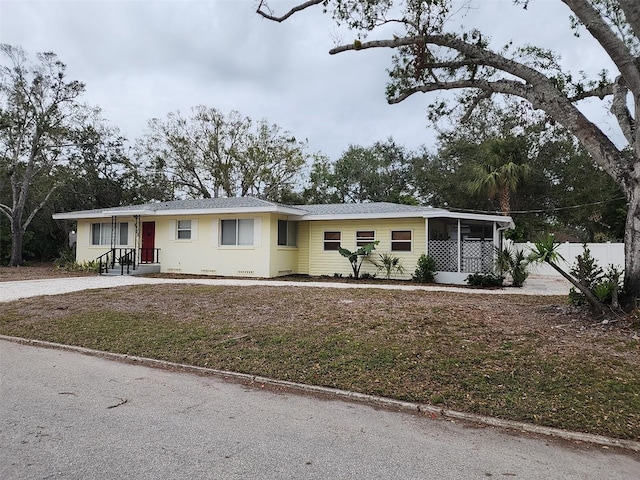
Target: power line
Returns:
[547, 210]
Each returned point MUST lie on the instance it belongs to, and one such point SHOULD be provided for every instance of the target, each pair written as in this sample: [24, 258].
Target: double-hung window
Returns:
[102, 233]
[401, 240]
[236, 232]
[287, 233]
[365, 237]
[184, 230]
[332, 240]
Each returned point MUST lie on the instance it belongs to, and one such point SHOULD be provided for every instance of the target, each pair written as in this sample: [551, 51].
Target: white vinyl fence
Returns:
[605, 254]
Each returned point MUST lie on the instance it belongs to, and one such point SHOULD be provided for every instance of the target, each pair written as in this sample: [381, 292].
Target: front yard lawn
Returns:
[521, 358]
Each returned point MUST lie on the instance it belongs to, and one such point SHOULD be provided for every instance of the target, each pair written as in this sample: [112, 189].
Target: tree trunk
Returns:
[16, 243]
[632, 248]
[596, 304]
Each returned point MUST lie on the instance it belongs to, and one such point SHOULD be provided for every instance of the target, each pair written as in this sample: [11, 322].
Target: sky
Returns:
[142, 59]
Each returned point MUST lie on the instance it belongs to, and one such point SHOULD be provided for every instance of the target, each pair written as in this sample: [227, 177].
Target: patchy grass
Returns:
[515, 357]
[36, 271]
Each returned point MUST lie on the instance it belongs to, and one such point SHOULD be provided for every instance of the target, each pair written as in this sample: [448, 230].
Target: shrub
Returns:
[514, 262]
[586, 269]
[91, 266]
[485, 280]
[390, 264]
[425, 269]
[605, 285]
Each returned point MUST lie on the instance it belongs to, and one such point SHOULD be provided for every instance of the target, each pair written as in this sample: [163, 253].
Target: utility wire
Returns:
[548, 210]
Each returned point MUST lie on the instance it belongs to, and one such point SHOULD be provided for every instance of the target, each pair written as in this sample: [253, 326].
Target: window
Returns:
[401, 241]
[236, 232]
[101, 234]
[287, 233]
[184, 230]
[332, 240]
[365, 237]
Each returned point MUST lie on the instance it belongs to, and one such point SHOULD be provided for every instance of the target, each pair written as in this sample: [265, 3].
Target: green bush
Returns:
[605, 285]
[425, 269]
[514, 262]
[485, 280]
[390, 264]
[91, 266]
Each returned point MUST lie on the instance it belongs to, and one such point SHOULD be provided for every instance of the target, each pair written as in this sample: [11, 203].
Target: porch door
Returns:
[148, 242]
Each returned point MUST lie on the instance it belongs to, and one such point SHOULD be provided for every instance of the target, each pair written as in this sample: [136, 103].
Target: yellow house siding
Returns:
[303, 247]
[323, 262]
[284, 260]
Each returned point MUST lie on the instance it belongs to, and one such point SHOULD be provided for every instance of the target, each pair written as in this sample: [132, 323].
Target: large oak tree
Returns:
[431, 56]
[210, 154]
[38, 111]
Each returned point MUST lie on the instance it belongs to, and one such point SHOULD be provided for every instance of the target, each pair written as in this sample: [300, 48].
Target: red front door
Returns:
[148, 242]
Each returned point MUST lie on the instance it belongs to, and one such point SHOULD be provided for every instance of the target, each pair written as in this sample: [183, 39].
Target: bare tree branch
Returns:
[632, 14]
[600, 92]
[264, 10]
[37, 209]
[610, 42]
[621, 111]
[483, 95]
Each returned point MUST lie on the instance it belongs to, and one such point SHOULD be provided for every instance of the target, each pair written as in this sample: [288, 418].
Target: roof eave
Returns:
[362, 216]
[106, 213]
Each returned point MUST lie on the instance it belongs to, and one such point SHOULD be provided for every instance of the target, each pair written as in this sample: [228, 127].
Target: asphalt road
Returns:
[65, 415]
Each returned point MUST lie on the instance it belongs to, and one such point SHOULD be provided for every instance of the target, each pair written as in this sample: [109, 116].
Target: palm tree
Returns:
[502, 171]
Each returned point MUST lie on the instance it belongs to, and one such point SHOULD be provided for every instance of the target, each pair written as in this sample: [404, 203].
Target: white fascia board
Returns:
[226, 211]
[79, 215]
[106, 213]
[365, 216]
[501, 219]
[126, 213]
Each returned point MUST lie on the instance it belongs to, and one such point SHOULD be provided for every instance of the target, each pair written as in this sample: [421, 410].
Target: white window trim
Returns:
[375, 234]
[410, 242]
[236, 246]
[178, 230]
[324, 241]
[173, 232]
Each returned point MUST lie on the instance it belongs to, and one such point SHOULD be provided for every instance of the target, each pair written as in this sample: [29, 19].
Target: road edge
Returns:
[342, 394]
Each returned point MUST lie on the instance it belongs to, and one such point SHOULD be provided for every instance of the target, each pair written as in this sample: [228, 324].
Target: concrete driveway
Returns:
[68, 415]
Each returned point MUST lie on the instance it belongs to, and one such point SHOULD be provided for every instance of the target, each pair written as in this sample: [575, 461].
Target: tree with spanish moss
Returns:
[432, 54]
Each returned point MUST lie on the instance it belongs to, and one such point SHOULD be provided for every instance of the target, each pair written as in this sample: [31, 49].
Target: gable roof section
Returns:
[237, 205]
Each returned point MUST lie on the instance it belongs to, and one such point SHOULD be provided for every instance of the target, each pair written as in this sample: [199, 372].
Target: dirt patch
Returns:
[37, 271]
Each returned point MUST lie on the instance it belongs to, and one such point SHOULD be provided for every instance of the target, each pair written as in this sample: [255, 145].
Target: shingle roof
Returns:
[249, 204]
[361, 208]
[200, 203]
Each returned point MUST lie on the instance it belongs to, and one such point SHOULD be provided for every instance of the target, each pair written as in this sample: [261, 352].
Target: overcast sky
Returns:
[142, 59]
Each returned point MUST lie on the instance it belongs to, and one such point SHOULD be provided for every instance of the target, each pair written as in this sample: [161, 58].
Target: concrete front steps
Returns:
[141, 269]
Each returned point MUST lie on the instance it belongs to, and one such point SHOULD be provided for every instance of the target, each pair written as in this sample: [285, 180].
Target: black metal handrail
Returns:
[149, 255]
[124, 256]
[105, 259]
[128, 259]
